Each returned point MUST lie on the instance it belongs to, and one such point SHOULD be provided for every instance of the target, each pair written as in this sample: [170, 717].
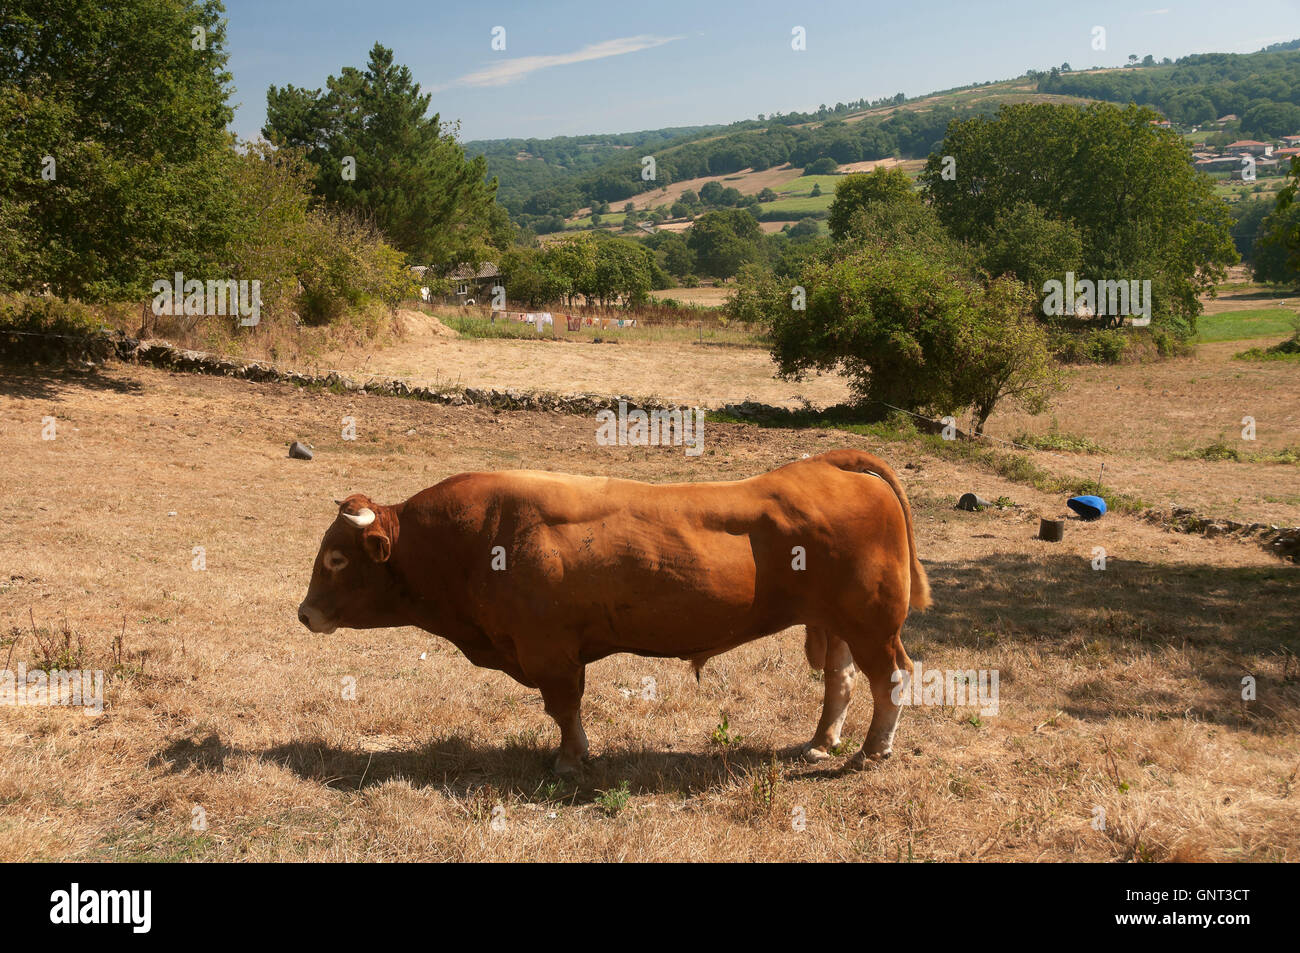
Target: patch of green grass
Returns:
[613, 800]
[1214, 452]
[1220, 451]
[1267, 354]
[1055, 440]
[472, 327]
[1288, 350]
[1014, 466]
[804, 185]
[799, 205]
[722, 734]
[1240, 325]
[609, 218]
[1018, 468]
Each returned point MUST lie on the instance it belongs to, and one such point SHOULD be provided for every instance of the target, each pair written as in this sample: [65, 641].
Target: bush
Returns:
[1090, 347]
[1288, 350]
[342, 264]
[1116, 345]
[72, 329]
[911, 329]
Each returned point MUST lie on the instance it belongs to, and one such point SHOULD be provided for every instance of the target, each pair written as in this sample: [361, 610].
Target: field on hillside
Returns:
[1120, 689]
[787, 181]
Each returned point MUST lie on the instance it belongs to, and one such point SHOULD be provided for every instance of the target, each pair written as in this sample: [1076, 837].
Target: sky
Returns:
[578, 67]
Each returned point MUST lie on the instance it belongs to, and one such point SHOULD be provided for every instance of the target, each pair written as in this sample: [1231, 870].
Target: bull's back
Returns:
[667, 569]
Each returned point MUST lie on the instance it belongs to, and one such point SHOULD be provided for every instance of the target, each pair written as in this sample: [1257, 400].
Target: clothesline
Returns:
[573, 322]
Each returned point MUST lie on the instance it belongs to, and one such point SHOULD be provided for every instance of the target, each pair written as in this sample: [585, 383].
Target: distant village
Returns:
[1243, 159]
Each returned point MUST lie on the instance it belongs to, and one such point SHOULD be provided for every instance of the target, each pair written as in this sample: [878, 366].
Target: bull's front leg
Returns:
[562, 695]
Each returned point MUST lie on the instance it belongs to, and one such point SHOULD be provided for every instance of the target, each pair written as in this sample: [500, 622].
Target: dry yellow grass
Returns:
[1143, 415]
[1120, 688]
[747, 181]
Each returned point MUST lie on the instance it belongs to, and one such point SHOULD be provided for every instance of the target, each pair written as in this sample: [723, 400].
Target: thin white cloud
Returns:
[512, 71]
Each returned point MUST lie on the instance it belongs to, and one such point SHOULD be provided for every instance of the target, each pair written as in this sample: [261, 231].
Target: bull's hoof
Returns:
[866, 762]
[815, 753]
[567, 766]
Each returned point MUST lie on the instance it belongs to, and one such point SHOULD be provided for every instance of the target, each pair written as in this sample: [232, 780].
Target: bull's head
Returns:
[352, 583]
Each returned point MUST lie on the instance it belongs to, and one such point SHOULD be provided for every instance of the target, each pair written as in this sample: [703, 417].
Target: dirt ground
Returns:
[706, 375]
[1146, 417]
[1121, 732]
[710, 296]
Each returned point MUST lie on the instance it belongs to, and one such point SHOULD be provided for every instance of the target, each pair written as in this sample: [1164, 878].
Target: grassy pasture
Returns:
[1119, 688]
[1241, 325]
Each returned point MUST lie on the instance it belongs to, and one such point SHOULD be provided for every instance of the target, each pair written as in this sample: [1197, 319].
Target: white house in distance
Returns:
[1251, 147]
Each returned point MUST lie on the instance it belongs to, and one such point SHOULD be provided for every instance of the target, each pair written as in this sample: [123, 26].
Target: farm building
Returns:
[471, 285]
[1253, 146]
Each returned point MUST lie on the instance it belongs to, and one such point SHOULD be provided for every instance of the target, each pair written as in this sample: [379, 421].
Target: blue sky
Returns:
[578, 67]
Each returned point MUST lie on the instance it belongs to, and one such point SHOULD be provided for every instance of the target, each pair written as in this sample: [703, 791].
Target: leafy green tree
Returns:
[573, 260]
[1274, 251]
[116, 167]
[911, 331]
[1031, 246]
[1271, 120]
[803, 229]
[723, 241]
[529, 277]
[379, 154]
[677, 257]
[855, 192]
[624, 270]
[1140, 209]
[823, 166]
[1250, 216]
[907, 223]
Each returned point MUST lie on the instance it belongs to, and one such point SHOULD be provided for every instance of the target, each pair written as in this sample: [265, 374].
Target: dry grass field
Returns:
[1120, 689]
[1148, 419]
[640, 362]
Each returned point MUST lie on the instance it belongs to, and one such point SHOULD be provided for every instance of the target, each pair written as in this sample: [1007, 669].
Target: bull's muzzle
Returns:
[314, 620]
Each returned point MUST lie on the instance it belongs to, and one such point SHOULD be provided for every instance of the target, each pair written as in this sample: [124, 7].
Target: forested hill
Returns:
[524, 167]
[1262, 89]
[543, 181]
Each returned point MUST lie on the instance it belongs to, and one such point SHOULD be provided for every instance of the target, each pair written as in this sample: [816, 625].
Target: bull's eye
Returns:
[335, 560]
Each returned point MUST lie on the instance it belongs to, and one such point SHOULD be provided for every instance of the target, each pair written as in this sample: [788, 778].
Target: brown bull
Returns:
[537, 574]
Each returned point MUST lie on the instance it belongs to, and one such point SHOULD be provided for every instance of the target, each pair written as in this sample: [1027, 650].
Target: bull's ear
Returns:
[377, 542]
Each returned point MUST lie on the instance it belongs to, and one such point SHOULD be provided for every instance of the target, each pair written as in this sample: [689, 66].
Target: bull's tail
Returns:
[861, 462]
[920, 600]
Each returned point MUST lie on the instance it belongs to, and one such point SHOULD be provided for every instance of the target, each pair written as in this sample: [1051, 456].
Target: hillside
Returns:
[523, 167]
[551, 184]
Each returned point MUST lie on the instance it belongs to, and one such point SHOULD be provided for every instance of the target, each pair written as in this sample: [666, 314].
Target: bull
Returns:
[539, 574]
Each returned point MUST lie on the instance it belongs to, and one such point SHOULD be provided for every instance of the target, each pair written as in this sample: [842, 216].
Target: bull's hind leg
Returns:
[562, 695]
[839, 672]
[880, 662]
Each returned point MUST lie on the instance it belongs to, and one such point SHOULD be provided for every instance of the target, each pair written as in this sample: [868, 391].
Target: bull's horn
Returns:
[362, 519]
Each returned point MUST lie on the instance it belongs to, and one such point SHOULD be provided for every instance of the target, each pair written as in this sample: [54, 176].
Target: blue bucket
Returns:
[1088, 507]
